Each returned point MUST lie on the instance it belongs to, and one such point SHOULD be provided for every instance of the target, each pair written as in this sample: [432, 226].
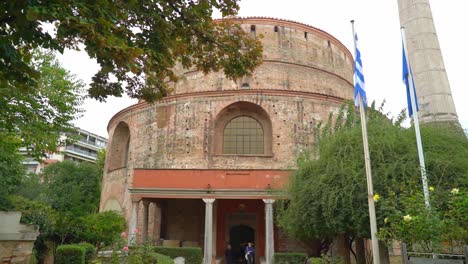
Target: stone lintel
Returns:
[12, 230]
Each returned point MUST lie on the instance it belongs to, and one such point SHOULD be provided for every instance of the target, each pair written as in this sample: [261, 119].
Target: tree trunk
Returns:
[342, 245]
[360, 251]
[384, 256]
[314, 247]
[49, 253]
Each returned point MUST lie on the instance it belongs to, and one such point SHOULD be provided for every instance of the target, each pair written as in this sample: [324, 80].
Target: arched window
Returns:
[253, 32]
[119, 147]
[242, 128]
[243, 135]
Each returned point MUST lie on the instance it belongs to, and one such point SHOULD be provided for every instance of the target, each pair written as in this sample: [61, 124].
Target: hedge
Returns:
[90, 250]
[316, 261]
[326, 259]
[162, 259]
[290, 258]
[70, 254]
[190, 254]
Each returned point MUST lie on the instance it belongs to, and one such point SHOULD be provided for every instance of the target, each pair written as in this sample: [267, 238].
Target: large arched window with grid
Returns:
[243, 135]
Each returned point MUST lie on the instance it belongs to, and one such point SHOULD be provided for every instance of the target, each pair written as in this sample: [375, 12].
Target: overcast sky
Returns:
[378, 27]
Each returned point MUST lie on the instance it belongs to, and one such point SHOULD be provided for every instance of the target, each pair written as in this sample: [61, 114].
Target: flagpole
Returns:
[370, 191]
[416, 124]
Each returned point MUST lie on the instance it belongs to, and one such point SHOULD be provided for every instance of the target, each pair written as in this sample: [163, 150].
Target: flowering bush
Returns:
[126, 251]
[376, 197]
[411, 222]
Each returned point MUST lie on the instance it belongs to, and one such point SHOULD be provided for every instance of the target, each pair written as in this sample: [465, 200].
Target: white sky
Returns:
[378, 27]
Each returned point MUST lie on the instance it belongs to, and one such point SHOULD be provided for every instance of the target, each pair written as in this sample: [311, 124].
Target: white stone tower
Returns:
[430, 78]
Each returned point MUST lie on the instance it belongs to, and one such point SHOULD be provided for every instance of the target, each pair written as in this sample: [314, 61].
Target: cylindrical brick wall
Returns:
[306, 74]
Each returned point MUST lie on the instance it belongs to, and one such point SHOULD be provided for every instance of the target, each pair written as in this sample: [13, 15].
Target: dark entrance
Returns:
[239, 236]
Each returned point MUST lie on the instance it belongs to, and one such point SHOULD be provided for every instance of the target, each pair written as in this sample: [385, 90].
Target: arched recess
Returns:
[119, 147]
[250, 111]
[239, 236]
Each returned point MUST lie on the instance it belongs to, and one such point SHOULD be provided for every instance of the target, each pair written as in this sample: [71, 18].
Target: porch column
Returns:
[133, 223]
[269, 232]
[144, 232]
[208, 245]
[157, 221]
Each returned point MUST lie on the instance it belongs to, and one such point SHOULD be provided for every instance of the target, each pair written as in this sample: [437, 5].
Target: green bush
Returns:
[145, 254]
[191, 255]
[90, 250]
[103, 229]
[162, 259]
[326, 259]
[290, 258]
[315, 261]
[70, 254]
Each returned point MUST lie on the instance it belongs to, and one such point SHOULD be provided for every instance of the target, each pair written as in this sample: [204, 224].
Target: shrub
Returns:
[191, 255]
[103, 229]
[70, 254]
[144, 254]
[290, 258]
[333, 260]
[162, 259]
[90, 250]
[326, 259]
[315, 261]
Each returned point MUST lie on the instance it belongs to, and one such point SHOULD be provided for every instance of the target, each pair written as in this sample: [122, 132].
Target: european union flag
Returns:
[359, 84]
[406, 76]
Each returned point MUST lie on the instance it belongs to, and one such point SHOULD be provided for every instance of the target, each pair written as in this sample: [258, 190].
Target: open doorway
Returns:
[239, 236]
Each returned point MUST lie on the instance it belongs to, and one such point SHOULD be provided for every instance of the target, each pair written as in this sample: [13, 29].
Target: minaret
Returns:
[430, 78]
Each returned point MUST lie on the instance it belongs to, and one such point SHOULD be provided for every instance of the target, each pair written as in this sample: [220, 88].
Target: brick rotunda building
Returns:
[198, 167]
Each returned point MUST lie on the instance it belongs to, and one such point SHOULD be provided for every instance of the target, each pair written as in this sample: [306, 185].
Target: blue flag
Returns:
[406, 75]
[359, 84]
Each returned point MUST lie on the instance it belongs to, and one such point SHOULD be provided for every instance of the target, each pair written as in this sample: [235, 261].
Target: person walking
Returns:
[250, 253]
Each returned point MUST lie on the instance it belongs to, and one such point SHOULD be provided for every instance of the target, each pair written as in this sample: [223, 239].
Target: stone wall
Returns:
[306, 74]
[185, 140]
[16, 240]
[293, 60]
[183, 220]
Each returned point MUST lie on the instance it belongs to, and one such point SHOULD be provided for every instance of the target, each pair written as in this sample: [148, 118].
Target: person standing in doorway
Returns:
[250, 253]
[228, 254]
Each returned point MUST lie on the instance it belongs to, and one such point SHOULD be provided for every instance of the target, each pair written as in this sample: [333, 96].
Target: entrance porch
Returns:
[208, 223]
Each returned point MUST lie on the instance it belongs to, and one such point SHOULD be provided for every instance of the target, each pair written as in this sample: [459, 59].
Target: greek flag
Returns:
[359, 84]
[406, 75]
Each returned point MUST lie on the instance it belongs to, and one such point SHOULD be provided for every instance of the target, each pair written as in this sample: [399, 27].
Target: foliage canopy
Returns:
[137, 42]
[63, 203]
[11, 169]
[35, 119]
[38, 116]
[328, 195]
[73, 187]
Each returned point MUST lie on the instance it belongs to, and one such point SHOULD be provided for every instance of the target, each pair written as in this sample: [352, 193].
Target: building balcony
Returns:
[74, 150]
[90, 144]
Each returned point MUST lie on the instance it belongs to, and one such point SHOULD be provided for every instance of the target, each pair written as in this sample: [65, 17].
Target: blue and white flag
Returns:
[359, 84]
[406, 75]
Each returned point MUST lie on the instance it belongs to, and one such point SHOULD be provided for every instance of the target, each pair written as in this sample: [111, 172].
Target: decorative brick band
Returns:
[311, 67]
[225, 93]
